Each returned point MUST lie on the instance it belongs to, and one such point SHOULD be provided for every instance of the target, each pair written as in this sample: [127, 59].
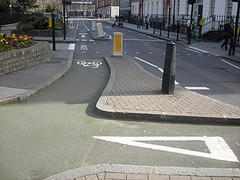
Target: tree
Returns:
[23, 6]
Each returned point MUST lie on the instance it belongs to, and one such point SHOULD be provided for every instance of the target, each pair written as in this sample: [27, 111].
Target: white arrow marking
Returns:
[217, 146]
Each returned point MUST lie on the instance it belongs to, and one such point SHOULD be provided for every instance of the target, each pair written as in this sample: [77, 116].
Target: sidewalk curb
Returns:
[40, 87]
[147, 170]
[107, 110]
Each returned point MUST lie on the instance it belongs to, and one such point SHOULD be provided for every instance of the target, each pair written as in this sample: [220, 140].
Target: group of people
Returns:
[143, 21]
[228, 35]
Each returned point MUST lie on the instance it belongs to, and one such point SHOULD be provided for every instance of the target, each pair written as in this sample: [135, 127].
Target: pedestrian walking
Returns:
[143, 22]
[201, 22]
[138, 22]
[226, 34]
[189, 28]
[147, 21]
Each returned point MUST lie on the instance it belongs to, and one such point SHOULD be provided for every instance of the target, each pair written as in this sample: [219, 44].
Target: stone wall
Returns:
[23, 58]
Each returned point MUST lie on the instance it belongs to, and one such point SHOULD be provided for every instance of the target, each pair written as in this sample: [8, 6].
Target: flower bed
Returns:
[13, 42]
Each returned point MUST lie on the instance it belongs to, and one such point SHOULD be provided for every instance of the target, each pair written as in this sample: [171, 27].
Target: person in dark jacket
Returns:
[226, 34]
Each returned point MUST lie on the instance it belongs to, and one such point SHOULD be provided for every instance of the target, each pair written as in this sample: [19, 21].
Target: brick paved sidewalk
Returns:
[134, 93]
[134, 172]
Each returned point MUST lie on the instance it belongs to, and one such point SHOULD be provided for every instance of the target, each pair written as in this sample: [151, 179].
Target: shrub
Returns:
[38, 22]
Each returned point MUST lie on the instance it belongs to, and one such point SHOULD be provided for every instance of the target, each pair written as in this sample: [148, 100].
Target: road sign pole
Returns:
[64, 26]
[236, 29]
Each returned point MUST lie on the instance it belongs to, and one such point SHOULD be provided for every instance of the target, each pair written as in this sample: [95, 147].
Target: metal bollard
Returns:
[53, 32]
[178, 30]
[168, 81]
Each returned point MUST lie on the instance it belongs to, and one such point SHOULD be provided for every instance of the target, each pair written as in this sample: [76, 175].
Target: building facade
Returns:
[180, 8]
[44, 4]
[81, 7]
[107, 8]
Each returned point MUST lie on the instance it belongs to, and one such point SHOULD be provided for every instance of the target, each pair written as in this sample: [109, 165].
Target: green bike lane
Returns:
[51, 132]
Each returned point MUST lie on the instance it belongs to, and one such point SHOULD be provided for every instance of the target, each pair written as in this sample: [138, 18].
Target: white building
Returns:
[203, 8]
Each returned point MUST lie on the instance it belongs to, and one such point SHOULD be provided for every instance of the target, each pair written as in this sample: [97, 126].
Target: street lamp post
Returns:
[174, 3]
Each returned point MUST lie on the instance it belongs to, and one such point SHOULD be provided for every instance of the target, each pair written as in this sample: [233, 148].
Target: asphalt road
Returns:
[59, 129]
[201, 72]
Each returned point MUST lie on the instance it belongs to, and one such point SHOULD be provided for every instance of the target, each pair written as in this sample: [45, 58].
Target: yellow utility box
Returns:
[117, 44]
[50, 23]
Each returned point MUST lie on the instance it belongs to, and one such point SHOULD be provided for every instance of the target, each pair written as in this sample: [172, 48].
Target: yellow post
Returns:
[50, 23]
[117, 44]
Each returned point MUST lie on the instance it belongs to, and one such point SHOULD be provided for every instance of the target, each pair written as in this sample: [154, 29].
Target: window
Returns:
[152, 7]
[178, 7]
[157, 7]
[229, 8]
[212, 7]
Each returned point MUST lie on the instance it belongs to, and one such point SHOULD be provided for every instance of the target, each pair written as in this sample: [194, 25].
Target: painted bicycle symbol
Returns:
[94, 64]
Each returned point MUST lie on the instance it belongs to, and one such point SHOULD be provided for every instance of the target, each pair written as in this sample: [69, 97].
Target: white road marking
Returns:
[145, 40]
[197, 88]
[137, 52]
[77, 39]
[193, 50]
[146, 62]
[94, 64]
[84, 47]
[219, 149]
[71, 46]
[153, 65]
[198, 49]
[83, 40]
[91, 40]
[161, 70]
[230, 64]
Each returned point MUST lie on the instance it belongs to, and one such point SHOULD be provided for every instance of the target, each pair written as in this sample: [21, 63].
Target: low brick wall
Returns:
[19, 59]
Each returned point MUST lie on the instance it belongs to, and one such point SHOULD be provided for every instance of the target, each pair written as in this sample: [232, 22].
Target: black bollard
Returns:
[53, 32]
[178, 30]
[160, 28]
[168, 81]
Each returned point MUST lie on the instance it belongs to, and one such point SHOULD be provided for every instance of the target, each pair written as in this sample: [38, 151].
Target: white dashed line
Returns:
[198, 88]
[230, 64]
[71, 46]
